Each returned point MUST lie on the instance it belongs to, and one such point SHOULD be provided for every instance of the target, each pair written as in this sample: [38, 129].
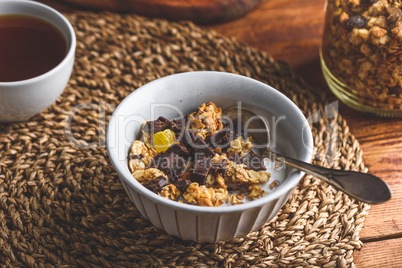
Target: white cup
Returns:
[20, 100]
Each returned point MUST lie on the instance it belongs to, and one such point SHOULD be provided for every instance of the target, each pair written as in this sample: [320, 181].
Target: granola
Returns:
[206, 120]
[362, 47]
[206, 164]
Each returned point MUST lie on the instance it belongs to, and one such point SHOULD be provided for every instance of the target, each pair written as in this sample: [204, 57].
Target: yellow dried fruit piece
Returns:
[163, 140]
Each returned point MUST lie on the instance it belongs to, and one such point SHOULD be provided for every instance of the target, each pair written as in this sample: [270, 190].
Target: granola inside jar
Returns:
[361, 54]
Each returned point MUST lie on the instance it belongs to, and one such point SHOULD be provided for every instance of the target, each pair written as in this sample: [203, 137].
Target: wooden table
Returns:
[291, 30]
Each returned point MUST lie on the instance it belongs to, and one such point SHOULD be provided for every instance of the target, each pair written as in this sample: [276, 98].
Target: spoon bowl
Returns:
[248, 123]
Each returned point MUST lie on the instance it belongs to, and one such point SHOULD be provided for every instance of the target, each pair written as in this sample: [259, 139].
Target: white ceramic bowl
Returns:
[179, 94]
[23, 99]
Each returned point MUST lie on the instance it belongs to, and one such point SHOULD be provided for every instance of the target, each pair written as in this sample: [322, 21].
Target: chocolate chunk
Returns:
[230, 189]
[222, 138]
[197, 145]
[182, 185]
[156, 184]
[134, 156]
[157, 125]
[173, 174]
[204, 149]
[368, 2]
[254, 161]
[201, 168]
[175, 125]
[178, 149]
[187, 140]
[355, 22]
[186, 175]
[395, 90]
[225, 123]
[219, 166]
[167, 161]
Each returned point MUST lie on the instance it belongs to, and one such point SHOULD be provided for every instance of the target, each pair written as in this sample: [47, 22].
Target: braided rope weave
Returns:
[62, 203]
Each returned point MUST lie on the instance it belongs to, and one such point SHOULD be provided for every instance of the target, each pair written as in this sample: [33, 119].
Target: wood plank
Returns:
[381, 142]
[380, 254]
[205, 11]
[283, 28]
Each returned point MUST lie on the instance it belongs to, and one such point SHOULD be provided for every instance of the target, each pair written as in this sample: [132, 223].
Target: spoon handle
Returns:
[362, 186]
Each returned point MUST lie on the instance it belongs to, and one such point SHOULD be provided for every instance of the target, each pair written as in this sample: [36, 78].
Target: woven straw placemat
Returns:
[62, 203]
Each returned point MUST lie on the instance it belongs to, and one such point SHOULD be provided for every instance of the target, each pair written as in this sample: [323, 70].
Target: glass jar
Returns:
[361, 54]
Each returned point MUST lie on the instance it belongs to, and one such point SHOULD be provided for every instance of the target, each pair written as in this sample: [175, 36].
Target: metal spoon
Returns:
[361, 186]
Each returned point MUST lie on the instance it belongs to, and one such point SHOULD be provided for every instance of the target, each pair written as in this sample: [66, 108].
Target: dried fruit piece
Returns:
[163, 140]
[355, 22]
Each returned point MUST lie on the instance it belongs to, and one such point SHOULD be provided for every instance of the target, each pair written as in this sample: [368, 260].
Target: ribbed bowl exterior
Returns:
[204, 227]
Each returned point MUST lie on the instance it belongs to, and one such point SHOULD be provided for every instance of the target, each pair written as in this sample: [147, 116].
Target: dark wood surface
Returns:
[290, 30]
[205, 11]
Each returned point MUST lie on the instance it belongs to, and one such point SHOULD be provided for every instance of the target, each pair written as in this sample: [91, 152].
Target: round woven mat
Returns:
[62, 203]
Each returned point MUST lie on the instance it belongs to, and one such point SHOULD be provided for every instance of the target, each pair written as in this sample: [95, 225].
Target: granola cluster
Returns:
[207, 164]
[362, 46]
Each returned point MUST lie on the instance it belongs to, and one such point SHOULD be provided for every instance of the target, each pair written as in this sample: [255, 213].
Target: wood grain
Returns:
[290, 30]
[294, 35]
[380, 254]
[205, 11]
